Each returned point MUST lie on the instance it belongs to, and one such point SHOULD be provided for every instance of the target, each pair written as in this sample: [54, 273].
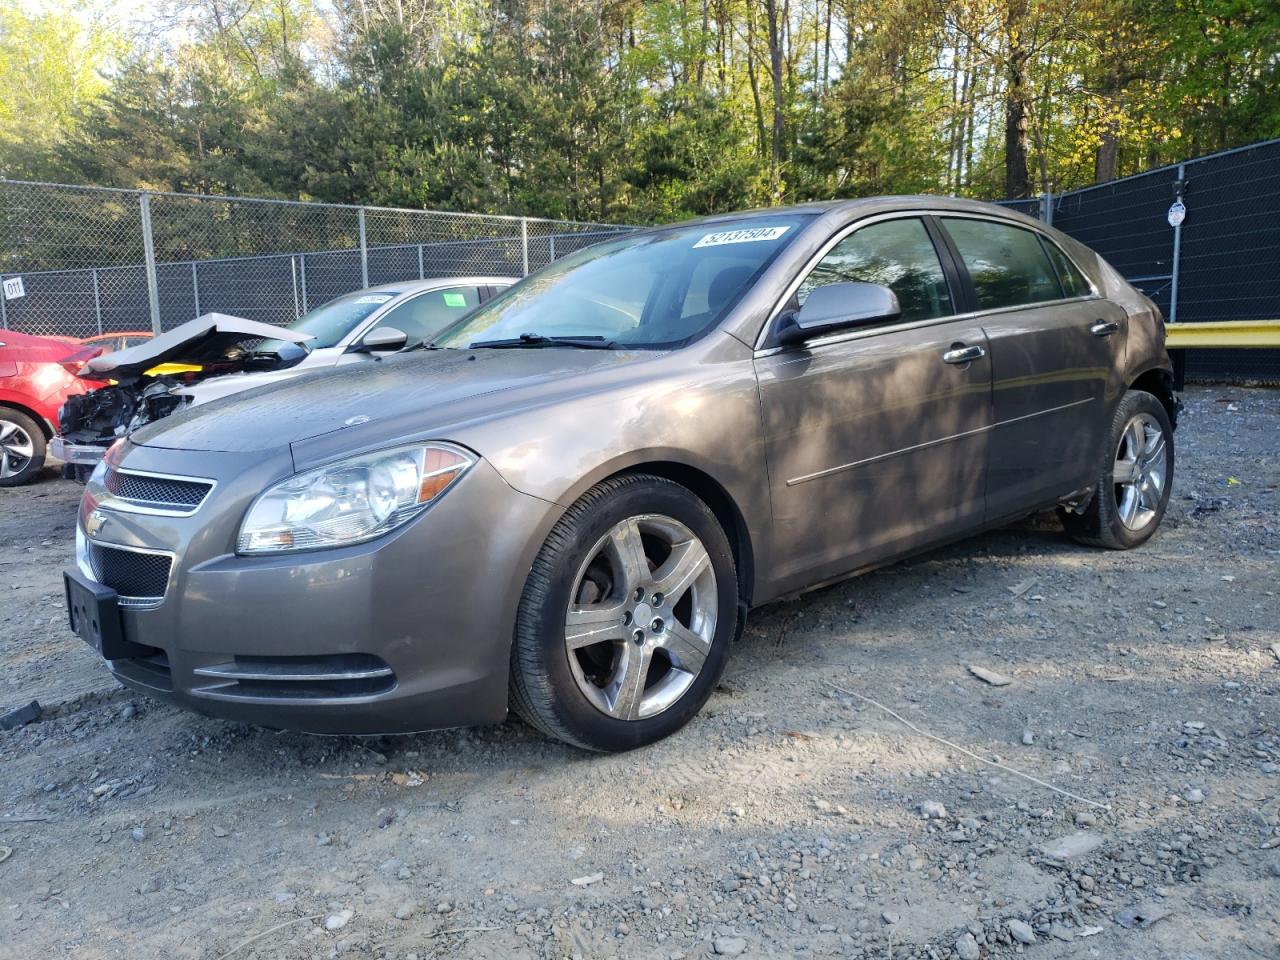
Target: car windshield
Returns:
[333, 321]
[654, 290]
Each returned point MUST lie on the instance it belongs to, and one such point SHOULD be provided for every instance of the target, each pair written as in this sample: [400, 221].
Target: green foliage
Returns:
[49, 71]
[631, 110]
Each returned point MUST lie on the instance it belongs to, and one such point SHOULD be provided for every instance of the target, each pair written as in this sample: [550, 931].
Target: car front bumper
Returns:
[408, 632]
[85, 454]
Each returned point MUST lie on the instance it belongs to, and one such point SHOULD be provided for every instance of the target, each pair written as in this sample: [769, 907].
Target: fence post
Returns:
[293, 268]
[1046, 208]
[149, 251]
[421, 274]
[97, 300]
[364, 254]
[4, 313]
[195, 287]
[551, 246]
[524, 244]
[1177, 250]
[302, 269]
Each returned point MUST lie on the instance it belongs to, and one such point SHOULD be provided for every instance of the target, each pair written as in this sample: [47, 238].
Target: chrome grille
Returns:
[323, 677]
[139, 578]
[172, 494]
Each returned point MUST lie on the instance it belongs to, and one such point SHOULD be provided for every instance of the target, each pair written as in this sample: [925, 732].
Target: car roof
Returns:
[436, 283]
[864, 205]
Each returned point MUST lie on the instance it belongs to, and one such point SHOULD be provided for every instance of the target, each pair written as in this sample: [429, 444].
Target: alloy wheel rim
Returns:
[1140, 471]
[16, 449]
[642, 616]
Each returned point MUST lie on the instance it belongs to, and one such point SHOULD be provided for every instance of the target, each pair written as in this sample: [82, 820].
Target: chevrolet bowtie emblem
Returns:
[97, 520]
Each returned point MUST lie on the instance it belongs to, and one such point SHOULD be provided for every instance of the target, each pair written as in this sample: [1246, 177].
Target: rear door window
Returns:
[1007, 264]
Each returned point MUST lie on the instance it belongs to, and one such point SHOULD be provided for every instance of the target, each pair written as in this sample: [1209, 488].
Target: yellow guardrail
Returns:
[1228, 334]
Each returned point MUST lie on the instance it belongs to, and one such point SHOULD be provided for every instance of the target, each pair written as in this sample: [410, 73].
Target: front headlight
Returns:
[352, 500]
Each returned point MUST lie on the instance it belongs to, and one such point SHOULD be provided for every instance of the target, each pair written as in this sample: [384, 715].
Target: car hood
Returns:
[416, 394]
[204, 340]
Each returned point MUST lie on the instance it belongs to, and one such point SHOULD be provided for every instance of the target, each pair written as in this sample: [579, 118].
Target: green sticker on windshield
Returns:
[455, 300]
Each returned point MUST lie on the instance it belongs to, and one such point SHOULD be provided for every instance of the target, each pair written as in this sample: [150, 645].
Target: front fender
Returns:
[703, 414]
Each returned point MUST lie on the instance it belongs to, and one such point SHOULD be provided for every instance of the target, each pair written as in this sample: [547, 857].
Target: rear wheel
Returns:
[21, 448]
[625, 621]
[1134, 479]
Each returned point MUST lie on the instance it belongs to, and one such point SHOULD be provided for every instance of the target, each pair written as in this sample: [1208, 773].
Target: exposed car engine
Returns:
[101, 416]
[153, 380]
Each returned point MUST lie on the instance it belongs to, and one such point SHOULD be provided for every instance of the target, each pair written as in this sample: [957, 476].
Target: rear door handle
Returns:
[1104, 328]
[959, 353]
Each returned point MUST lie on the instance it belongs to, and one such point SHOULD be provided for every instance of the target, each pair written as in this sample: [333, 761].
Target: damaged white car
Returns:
[216, 355]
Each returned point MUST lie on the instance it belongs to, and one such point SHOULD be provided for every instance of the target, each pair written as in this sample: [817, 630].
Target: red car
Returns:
[119, 340]
[37, 374]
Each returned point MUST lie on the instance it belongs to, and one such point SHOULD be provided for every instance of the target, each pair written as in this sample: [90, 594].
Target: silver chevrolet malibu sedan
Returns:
[567, 503]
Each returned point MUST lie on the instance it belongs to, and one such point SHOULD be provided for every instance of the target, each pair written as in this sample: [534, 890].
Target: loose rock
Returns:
[1072, 845]
[932, 810]
[336, 921]
[990, 676]
[1021, 931]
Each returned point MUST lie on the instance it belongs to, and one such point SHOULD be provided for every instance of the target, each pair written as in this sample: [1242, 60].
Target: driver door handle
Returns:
[1104, 328]
[963, 354]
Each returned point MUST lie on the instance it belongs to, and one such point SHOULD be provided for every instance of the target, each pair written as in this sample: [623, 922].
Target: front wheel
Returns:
[625, 621]
[21, 448]
[1134, 479]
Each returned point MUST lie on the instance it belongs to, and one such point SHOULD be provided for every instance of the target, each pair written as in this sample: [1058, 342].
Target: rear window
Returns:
[1007, 264]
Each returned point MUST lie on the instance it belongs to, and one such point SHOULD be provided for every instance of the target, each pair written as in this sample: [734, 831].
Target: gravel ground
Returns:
[792, 818]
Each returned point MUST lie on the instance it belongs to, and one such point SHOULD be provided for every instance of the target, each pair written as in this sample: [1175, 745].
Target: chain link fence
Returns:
[1219, 260]
[80, 261]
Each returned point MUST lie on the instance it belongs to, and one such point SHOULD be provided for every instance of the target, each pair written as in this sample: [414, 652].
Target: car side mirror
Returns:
[384, 340]
[838, 306]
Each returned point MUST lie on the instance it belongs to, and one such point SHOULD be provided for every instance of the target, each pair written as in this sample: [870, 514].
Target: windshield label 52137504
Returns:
[753, 235]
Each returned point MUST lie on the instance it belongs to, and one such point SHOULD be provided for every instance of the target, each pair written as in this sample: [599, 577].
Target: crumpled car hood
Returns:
[410, 394]
[201, 341]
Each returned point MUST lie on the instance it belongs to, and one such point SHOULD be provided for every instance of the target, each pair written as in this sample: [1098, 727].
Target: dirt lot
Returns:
[785, 821]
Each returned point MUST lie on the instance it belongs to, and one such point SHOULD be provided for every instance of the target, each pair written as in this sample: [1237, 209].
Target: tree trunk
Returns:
[1107, 159]
[776, 64]
[702, 42]
[954, 135]
[1017, 179]
[826, 51]
[754, 79]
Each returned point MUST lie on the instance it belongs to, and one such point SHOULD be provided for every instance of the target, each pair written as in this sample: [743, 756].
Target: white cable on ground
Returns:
[955, 746]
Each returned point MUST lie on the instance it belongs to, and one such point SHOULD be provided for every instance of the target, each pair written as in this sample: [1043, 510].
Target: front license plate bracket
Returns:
[94, 614]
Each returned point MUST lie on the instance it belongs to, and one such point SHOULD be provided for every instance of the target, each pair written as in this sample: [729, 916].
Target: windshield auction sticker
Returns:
[754, 235]
[374, 298]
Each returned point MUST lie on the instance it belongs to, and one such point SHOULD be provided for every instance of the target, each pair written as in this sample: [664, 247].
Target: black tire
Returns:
[10, 417]
[543, 688]
[1100, 525]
